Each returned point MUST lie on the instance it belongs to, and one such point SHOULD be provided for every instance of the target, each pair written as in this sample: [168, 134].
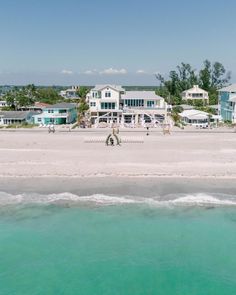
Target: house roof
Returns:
[194, 114]
[16, 115]
[195, 89]
[140, 95]
[41, 105]
[230, 88]
[101, 87]
[62, 105]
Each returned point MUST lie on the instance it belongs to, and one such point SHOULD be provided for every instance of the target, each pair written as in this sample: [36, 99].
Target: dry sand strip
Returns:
[33, 155]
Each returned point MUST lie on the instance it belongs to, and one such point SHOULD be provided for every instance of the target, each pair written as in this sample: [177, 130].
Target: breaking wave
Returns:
[172, 200]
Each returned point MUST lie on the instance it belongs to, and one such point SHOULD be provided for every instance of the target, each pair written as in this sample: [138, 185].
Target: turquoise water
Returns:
[124, 248]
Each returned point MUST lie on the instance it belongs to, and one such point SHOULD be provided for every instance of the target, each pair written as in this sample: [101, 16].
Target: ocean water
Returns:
[68, 244]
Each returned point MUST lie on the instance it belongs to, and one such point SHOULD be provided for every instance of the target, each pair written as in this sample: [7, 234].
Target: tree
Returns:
[21, 97]
[9, 97]
[82, 92]
[211, 78]
[48, 95]
[83, 106]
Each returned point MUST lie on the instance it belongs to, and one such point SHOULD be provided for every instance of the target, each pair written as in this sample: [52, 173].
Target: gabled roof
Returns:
[41, 105]
[62, 105]
[194, 114]
[114, 87]
[195, 89]
[230, 88]
[16, 115]
[140, 95]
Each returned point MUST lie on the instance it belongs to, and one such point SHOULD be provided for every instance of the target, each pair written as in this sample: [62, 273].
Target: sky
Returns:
[88, 42]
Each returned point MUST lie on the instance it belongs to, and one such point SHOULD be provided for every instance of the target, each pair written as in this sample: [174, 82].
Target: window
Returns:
[108, 105]
[107, 94]
[93, 104]
[50, 111]
[39, 119]
[134, 102]
[196, 95]
[62, 111]
[150, 103]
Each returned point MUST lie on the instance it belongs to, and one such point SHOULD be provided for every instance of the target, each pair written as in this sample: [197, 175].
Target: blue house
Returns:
[60, 113]
[227, 98]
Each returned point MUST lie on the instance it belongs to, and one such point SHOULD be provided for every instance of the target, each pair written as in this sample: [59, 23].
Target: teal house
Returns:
[57, 114]
[227, 99]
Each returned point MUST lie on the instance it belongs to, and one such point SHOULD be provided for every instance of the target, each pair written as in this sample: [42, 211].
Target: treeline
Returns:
[27, 95]
[211, 78]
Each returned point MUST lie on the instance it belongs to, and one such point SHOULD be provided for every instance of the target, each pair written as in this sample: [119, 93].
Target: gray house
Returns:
[16, 117]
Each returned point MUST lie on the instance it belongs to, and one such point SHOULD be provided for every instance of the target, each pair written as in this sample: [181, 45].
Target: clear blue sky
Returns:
[98, 41]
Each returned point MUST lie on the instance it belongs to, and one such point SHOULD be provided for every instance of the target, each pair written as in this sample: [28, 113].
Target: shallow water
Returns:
[60, 244]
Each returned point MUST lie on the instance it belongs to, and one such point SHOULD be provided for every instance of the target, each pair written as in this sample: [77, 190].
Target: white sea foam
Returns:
[105, 200]
[10, 199]
[100, 199]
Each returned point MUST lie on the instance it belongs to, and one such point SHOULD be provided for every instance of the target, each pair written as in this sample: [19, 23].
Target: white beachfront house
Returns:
[104, 103]
[199, 118]
[195, 118]
[195, 93]
[111, 103]
[141, 107]
[70, 93]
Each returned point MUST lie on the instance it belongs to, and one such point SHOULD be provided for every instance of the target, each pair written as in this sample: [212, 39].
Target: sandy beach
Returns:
[65, 160]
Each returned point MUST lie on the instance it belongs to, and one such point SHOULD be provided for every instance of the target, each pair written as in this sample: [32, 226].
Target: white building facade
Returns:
[3, 104]
[199, 119]
[70, 93]
[195, 93]
[112, 104]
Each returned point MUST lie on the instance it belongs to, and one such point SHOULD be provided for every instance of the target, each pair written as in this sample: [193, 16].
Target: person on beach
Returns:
[51, 128]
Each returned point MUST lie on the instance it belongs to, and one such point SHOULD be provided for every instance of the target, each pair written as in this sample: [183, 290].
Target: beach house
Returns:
[16, 117]
[105, 103]
[195, 94]
[60, 113]
[227, 100]
[70, 93]
[140, 107]
[111, 103]
[199, 118]
[195, 118]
